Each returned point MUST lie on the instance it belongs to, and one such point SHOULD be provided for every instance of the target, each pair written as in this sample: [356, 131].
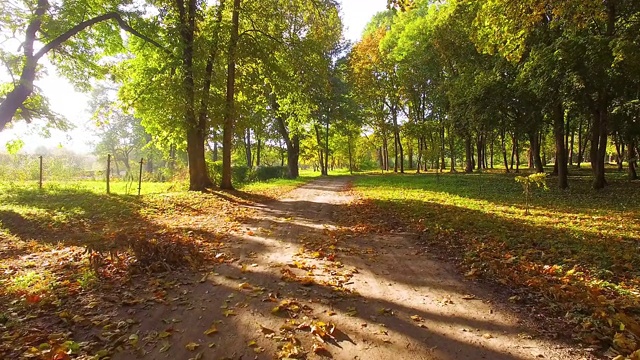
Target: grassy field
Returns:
[70, 242]
[577, 253]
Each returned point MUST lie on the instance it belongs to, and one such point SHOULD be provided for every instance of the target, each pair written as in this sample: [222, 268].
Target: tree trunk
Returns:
[599, 145]
[247, 146]
[514, 150]
[281, 153]
[258, 152]
[326, 149]
[196, 128]
[479, 148]
[172, 158]
[293, 154]
[420, 151]
[442, 147]
[491, 147]
[350, 156]
[561, 154]
[517, 148]
[385, 150]
[319, 141]
[229, 121]
[485, 161]
[198, 173]
[571, 146]
[534, 139]
[469, 153]
[452, 145]
[619, 145]
[632, 159]
[579, 158]
[503, 145]
[410, 157]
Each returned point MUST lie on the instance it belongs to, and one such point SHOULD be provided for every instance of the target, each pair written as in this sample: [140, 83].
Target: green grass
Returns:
[284, 185]
[575, 246]
[31, 282]
[580, 223]
[99, 187]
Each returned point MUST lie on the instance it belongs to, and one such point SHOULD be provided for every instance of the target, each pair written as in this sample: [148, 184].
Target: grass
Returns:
[99, 187]
[64, 247]
[280, 185]
[576, 253]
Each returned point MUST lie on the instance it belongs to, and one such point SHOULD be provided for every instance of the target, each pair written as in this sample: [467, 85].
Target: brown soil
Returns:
[295, 263]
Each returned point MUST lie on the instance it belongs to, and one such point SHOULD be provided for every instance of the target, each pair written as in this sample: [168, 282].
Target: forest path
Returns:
[385, 299]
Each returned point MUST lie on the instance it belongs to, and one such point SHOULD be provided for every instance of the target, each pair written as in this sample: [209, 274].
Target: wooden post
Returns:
[140, 177]
[108, 172]
[40, 183]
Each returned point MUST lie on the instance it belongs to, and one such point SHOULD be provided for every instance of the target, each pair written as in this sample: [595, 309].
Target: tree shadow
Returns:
[203, 304]
[501, 189]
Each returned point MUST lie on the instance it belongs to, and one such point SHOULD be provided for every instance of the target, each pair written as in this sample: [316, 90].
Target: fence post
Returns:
[140, 177]
[108, 172]
[40, 183]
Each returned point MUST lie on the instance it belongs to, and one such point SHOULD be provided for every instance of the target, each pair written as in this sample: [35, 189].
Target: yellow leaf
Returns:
[265, 330]
[192, 346]
[228, 313]
[212, 330]
[245, 286]
[165, 347]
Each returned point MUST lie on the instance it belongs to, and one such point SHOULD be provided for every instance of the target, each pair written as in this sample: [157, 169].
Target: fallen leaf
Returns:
[211, 330]
[165, 347]
[192, 346]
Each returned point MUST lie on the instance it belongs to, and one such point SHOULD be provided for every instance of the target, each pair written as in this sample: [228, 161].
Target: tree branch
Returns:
[93, 21]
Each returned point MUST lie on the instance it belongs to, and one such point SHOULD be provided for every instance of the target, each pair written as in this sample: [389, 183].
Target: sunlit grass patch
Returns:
[577, 250]
[31, 282]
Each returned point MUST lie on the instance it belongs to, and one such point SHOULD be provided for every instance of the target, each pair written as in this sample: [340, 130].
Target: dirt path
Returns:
[273, 299]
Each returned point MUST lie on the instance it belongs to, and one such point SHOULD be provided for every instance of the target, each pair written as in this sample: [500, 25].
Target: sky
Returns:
[73, 105]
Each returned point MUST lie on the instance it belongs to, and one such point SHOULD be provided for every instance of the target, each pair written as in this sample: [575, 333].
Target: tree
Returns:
[70, 34]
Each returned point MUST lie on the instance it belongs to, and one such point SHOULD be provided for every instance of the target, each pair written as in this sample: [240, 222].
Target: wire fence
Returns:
[47, 172]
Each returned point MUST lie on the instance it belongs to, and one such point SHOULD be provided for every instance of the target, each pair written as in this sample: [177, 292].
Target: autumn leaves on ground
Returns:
[414, 267]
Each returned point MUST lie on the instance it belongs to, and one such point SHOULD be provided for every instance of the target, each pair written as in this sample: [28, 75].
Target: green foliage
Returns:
[569, 247]
[264, 173]
[14, 146]
[528, 182]
[239, 174]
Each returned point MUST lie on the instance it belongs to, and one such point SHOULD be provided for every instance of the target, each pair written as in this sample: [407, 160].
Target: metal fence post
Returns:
[140, 177]
[40, 183]
[108, 172]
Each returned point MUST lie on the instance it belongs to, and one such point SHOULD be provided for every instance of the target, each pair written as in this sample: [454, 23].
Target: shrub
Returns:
[239, 174]
[528, 184]
[264, 173]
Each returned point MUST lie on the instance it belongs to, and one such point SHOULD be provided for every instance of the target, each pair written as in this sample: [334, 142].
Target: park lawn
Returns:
[278, 187]
[576, 255]
[67, 247]
[117, 187]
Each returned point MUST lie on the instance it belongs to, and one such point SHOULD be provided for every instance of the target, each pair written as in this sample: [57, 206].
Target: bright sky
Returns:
[73, 105]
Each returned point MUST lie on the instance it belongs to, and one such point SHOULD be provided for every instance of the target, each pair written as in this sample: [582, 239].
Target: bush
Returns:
[239, 174]
[264, 173]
